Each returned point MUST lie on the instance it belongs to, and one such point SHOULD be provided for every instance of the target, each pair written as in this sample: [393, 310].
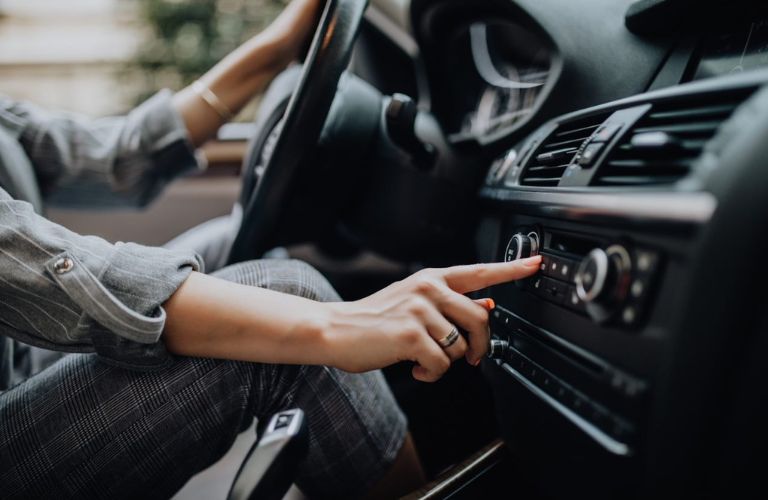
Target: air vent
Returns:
[663, 146]
[547, 165]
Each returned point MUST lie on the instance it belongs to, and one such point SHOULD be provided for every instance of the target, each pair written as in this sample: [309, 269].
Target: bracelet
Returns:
[212, 100]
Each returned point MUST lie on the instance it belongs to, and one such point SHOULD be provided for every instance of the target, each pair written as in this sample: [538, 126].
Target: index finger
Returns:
[469, 278]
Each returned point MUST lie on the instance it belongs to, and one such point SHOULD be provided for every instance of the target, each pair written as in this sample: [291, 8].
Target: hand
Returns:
[248, 70]
[291, 30]
[406, 320]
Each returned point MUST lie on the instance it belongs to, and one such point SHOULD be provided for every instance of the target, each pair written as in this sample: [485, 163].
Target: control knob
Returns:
[522, 246]
[602, 280]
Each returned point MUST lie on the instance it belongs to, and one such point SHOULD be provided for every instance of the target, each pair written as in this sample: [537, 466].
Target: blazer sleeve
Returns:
[64, 291]
[114, 161]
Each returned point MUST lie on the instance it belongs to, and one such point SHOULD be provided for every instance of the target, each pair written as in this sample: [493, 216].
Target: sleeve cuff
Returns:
[164, 135]
[122, 307]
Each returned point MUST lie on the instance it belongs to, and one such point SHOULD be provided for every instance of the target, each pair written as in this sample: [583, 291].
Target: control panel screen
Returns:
[740, 50]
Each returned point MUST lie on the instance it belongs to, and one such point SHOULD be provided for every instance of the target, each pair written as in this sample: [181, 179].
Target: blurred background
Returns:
[102, 57]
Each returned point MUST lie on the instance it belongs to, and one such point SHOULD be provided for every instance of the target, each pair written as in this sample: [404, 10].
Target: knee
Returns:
[288, 276]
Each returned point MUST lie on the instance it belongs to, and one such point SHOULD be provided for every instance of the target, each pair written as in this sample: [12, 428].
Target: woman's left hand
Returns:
[290, 32]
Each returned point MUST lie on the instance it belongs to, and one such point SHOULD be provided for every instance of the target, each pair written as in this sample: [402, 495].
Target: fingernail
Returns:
[490, 304]
[531, 261]
[477, 362]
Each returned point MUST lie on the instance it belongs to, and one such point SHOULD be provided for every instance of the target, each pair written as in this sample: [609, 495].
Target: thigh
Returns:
[86, 429]
[83, 428]
[356, 428]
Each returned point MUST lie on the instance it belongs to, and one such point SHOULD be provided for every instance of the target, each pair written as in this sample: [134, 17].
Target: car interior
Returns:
[625, 142]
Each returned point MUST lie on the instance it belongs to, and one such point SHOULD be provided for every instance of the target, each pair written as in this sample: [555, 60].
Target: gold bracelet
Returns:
[212, 100]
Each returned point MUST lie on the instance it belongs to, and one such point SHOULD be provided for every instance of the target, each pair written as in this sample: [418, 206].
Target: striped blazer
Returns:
[64, 291]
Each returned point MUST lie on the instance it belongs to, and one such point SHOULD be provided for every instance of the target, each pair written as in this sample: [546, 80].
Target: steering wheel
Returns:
[294, 138]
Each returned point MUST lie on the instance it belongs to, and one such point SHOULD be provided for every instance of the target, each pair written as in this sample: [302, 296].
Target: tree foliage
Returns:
[186, 37]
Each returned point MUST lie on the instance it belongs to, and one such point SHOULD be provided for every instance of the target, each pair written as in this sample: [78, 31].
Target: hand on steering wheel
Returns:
[289, 32]
[295, 138]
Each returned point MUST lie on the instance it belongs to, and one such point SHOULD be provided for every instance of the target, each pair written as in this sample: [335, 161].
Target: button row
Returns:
[646, 263]
[558, 267]
[556, 291]
[588, 153]
[597, 414]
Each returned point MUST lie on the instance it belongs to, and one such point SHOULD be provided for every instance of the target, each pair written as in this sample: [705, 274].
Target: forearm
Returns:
[213, 318]
[246, 72]
[234, 81]
[409, 320]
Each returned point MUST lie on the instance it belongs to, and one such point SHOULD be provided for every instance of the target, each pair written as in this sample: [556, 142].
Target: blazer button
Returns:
[63, 265]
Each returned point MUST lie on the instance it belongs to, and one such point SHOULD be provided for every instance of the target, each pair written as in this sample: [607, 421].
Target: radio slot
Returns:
[569, 243]
[608, 395]
[528, 339]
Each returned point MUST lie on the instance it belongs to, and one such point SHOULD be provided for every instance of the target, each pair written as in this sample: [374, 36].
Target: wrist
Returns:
[316, 335]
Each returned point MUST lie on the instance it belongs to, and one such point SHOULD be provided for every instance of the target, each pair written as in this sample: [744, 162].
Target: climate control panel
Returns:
[607, 281]
[562, 359]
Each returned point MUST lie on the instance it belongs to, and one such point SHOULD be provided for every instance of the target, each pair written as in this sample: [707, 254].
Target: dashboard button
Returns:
[566, 271]
[554, 266]
[599, 417]
[548, 383]
[629, 315]
[638, 288]
[552, 290]
[544, 267]
[573, 301]
[579, 404]
[588, 155]
[606, 132]
[646, 261]
[546, 264]
[536, 283]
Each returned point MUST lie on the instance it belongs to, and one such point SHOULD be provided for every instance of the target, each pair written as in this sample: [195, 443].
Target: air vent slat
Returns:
[542, 181]
[550, 161]
[663, 146]
[683, 128]
[584, 131]
[704, 112]
[637, 180]
[572, 143]
[548, 168]
[651, 165]
[692, 146]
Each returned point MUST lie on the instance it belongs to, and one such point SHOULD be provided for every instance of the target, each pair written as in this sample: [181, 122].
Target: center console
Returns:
[615, 199]
[590, 277]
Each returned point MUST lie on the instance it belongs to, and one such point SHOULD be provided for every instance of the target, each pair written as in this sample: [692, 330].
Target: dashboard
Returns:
[632, 159]
[511, 66]
[740, 48]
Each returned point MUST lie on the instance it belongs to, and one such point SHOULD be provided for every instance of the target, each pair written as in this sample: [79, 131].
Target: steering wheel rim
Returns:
[306, 113]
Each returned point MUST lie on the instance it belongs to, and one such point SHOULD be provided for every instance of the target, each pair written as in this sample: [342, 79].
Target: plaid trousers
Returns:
[86, 429]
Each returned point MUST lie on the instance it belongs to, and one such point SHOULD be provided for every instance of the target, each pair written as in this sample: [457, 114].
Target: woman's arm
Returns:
[208, 317]
[246, 72]
[127, 160]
